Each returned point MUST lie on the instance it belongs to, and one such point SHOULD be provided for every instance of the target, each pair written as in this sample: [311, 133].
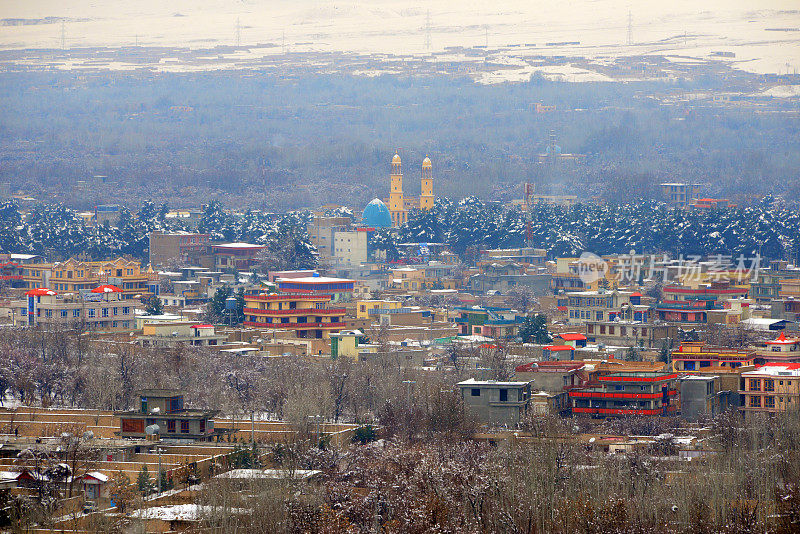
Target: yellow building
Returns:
[73, 276]
[363, 307]
[399, 205]
[351, 344]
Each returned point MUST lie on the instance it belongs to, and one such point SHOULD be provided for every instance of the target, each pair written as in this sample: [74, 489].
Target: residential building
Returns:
[504, 276]
[558, 353]
[338, 289]
[499, 323]
[603, 305]
[351, 247]
[786, 309]
[306, 314]
[351, 344]
[781, 349]
[11, 268]
[771, 388]
[321, 231]
[631, 333]
[700, 396]
[164, 407]
[171, 334]
[101, 311]
[554, 376]
[626, 393]
[691, 357]
[680, 194]
[368, 308]
[72, 276]
[503, 403]
[239, 256]
[711, 204]
[686, 305]
[177, 248]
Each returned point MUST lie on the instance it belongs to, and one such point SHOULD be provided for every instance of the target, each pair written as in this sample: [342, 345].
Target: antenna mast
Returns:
[630, 27]
[428, 30]
[238, 33]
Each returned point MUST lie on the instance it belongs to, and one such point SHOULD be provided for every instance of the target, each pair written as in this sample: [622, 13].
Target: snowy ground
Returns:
[764, 36]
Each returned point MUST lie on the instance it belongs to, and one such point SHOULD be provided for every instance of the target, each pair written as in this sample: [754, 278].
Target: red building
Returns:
[691, 305]
[308, 315]
[626, 393]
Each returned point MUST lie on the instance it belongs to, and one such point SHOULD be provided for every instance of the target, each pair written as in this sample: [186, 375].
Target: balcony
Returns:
[296, 311]
[607, 395]
[295, 326]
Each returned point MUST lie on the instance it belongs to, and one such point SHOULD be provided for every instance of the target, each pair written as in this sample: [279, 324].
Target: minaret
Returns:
[426, 192]
[396, 206]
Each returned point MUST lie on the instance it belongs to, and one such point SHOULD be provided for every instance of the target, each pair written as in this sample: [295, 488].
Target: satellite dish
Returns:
[88, 434]
[591, 440]
[152, 430]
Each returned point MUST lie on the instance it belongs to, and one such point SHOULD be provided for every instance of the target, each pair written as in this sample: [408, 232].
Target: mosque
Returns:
[378, 215]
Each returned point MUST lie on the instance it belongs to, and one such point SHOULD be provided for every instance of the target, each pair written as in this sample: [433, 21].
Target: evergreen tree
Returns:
[534, 330]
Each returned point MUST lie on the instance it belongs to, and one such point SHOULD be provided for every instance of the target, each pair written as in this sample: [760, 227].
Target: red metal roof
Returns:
[40, 292]
[572, 336]
[106, 288]
[202, 326]
[636, 294]
[558, 347]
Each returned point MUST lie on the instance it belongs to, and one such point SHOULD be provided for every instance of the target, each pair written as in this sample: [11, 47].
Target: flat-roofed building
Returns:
[691, 357]
[96, 310]
[308, 315]
[771, 388]
[165, 408]
[496, 402]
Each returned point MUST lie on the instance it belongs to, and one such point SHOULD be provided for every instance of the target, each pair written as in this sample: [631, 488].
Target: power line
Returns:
[630, 27]
[428, 30]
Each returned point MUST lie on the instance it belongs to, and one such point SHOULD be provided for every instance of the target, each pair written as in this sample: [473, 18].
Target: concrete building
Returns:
[180, 248]
[504, 403]
[691, 357]
[771, 388]
[626, 393]
[351, 344]
[100, 311]
[603, 305]
[164, 407]
[338, 289]
[306, 314]
[552, 377]
[680, 194]
[171, 334]
[700, 396]
[73, 275]
[631, 333]
[351, 247]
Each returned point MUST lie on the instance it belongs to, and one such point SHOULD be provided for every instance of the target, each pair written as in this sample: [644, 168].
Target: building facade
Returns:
[496, 402]
[307, 315]
[95, 311]
[771, 388]
[626, 393]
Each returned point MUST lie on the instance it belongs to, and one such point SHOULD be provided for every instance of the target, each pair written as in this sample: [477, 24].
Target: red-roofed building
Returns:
[97, 311]
[626, 393]
[305, 313]
[692, 357]
[572, 339]
[781, 349]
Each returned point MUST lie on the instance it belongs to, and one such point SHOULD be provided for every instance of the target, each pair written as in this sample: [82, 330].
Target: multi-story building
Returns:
[626, 393]
[307, 314]
[602, 305]
[696, 356]
[700, 395]
[681, 304]
[100, 310]
[371, 308]
[351, 247]
[496, 402]
[74, 276]
[771, 388]
[680, 194]
[337, 289]
[171, 334]
[781, 349]
[164, 408]
[321, 232]
[785, 309]
[631, 333]
[499, 323]
[240, 256]
[177, 248]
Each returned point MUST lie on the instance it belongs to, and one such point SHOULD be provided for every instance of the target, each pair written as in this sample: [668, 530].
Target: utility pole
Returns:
[238, 33]
[428, 30]
[630, 27]
[63, 35]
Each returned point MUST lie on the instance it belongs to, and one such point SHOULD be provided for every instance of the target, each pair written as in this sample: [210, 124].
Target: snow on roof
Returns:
[776, 369]
[178, 512]
[97, 475]
[493, 383]
[40, 292]
[783, 340]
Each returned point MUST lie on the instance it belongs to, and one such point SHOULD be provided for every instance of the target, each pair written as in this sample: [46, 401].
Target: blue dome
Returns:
[377, 215]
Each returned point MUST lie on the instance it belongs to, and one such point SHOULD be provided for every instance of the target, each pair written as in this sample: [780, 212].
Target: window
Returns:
[202, 426]
[755, 384]
[184, 426]
[114, 311]
[105, 312]
[475, 392]
[755, 401]
[64, 314]
[48, 313]
[769, 385]
[76, 313]
[769, 402]
[91, 313]
[126, 310]
[503, 395]
[171, 426]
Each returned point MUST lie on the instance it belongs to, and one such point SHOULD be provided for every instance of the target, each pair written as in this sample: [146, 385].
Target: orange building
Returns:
[771, 388]
[697, 356]
[308, 315]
